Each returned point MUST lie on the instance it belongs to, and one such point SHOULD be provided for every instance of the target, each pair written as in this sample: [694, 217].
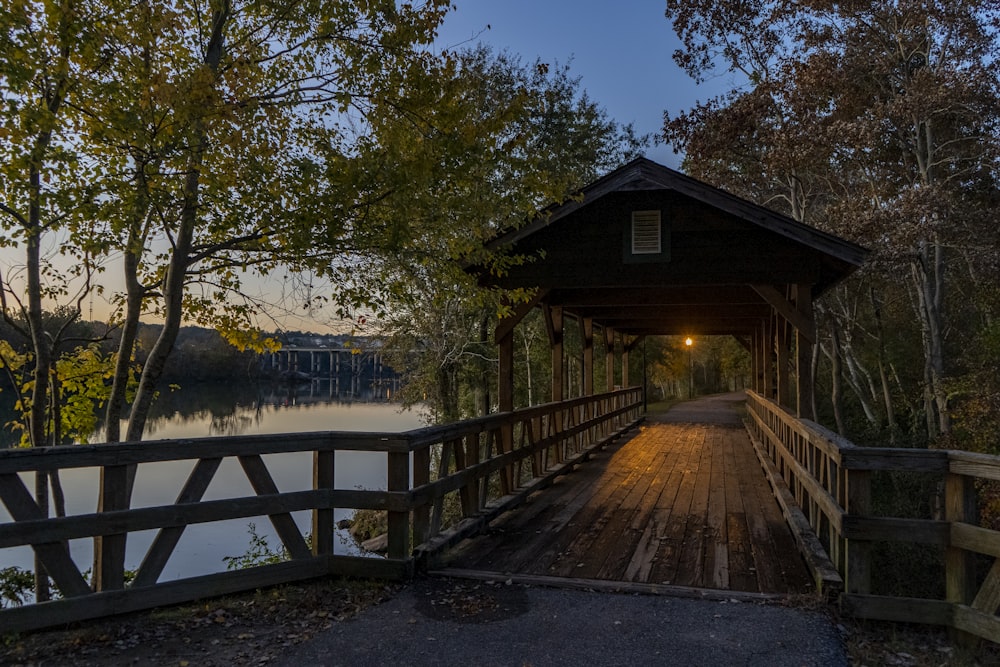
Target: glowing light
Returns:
[689, 342]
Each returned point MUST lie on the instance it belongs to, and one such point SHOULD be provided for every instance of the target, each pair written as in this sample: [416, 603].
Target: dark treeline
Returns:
[199, 355]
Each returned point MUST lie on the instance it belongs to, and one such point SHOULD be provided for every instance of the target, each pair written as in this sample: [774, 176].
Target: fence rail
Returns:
[831, 481]
[443, 483]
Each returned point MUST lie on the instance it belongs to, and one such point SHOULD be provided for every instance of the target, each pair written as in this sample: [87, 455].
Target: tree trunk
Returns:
[890, 412]
[126, 346]
[173, 285]
[927, 274]
[38, 410]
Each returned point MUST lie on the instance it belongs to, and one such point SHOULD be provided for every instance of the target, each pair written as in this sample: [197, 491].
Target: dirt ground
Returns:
[248, 629]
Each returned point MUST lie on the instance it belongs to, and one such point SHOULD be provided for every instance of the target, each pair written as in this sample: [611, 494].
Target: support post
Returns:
[784, 381]
[587, 333]
[399, 522]
[625, 373]
[858, 575]
[554, 326]
[109, 550]
[421, 476]
[609, 357]
[960, 565]
[767, 352]
[803, 353]
[505, 397]
[322, 519]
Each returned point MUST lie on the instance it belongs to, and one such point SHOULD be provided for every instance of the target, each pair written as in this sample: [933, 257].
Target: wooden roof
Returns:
[720, 257]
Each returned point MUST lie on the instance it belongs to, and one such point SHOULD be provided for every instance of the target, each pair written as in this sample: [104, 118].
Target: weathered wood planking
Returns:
[670, 505]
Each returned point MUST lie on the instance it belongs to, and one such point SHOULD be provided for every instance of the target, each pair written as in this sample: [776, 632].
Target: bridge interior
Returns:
[682, 503]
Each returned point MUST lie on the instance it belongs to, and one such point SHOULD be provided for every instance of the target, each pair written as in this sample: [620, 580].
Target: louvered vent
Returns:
[646, 233]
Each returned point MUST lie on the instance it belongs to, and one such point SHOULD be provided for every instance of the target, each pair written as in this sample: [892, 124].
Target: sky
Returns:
[621, 49]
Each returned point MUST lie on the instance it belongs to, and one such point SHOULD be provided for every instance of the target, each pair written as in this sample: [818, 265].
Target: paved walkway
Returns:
[449, 622]
[440, 621]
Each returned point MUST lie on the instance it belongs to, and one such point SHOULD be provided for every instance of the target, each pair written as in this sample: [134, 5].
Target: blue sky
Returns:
[621, 49]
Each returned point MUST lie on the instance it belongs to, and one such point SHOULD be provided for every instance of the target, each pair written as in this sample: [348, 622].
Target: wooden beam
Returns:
[660, 296]
[520, 311]
[634, 343]
[960, 565]
[284, 525]
[322, 518]
[54, 556]
[167, 538]
[505, 395]
[801, 320]
[554, 327]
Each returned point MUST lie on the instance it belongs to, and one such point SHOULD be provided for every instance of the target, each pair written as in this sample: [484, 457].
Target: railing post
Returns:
[109, 550]
[857, 577]
[421, 476]
[322, 518]
[959, 507]
[399, 521]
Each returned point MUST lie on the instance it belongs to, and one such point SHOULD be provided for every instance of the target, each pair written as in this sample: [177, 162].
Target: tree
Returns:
[47, 49]
[877, 121]
[517, 137]
[218, 110]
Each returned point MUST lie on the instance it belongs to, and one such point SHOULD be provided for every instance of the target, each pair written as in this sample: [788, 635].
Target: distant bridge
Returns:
[318, 362]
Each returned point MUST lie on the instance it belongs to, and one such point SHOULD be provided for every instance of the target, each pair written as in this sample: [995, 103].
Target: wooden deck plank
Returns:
[681, 504]
[579, 551]
[624, 545]
[577, 517]
[716, 545]
[664, 570]
[759, 501]
[644, 550]
[520, 535]
[742, 574]
[691, 557]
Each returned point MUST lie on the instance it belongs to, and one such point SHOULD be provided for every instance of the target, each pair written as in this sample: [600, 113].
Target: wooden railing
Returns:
[830, 479]
[487, 464]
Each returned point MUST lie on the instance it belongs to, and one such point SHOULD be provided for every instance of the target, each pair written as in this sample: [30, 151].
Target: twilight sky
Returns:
[621, 48]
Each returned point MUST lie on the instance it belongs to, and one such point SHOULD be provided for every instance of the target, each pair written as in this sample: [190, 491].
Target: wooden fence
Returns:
[443, 483]
[831, 480]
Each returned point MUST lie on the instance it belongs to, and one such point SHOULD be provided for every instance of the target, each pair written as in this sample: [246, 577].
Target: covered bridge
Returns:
[643, 251]
[647, 250]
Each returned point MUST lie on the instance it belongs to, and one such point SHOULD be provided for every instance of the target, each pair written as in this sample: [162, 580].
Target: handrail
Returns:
[482, 466]
[830, 479]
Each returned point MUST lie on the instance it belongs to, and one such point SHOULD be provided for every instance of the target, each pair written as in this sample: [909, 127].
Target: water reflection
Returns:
[241, 409]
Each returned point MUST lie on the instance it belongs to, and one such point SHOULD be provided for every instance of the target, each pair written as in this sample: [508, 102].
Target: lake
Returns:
[240, 409]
